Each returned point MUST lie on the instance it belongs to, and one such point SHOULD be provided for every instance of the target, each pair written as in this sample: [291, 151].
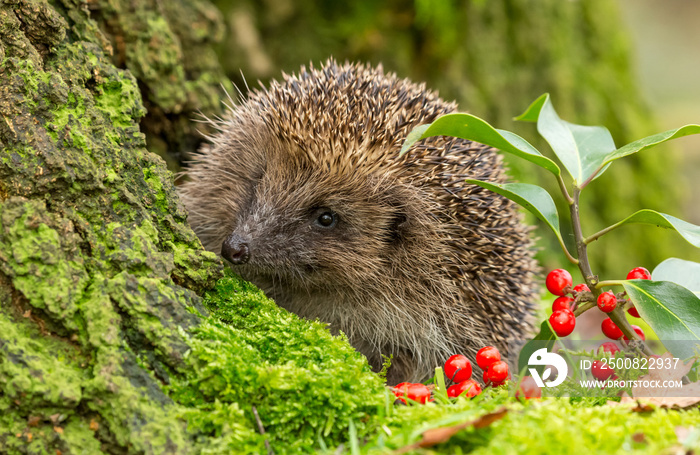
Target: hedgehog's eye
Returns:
[326, 218]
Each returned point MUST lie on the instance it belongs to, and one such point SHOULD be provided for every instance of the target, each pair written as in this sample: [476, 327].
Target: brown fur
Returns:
[419, 266]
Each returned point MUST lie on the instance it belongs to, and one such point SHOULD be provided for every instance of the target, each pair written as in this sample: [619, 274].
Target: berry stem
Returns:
[581, 247]
[601, 233]
[602, 284]
[564, 191]
[583, 308]
[617, 315]
[571, 259]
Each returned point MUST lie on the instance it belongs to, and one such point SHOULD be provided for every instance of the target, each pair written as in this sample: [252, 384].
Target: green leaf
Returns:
[469, 127]
[581, 149]
[532, 197]
[532, 113]
[650, 141]
[671, 310]
[690, 232]
[544, 339]
[684, 273]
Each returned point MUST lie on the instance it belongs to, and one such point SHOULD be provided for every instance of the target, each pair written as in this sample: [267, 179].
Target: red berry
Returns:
[609, 347]
[419, 393]
[633, 312]
[563, 322]
[562, 303]
[401, 390]
[640, 332]
[487, 356]
[611, 330]
[409, 391]
[497, 373]
[581, 287]
[528, 388]
[558, 280]
[458, 368]
[601, 371]
[470, 388]
[639, 273]
[491, 383]
[607, 302]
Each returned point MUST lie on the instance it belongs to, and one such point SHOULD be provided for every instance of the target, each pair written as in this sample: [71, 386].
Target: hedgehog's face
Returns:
[305, 229]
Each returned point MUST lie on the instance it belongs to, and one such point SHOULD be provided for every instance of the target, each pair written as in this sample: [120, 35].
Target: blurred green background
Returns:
[630, 65]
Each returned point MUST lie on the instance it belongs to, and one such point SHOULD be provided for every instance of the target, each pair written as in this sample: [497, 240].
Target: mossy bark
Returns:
[105, 343]
[99, 272]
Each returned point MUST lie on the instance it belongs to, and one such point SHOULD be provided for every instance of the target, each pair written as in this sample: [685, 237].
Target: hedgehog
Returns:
[302, 189]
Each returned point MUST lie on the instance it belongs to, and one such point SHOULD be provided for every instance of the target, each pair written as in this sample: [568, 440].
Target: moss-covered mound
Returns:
[549, 426]
[305, 384]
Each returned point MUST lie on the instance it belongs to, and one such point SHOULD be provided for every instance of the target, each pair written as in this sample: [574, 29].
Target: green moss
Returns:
[114, 99]
[101, 329]
[253, 353]
[37, 370]
[77, 433]
[153, 179]
[43, 261]
[193, 265]
[548, 426]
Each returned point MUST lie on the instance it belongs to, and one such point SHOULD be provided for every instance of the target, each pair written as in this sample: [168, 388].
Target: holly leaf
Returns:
[671, 310]
[690, 232]
[581, 149]
[472, 128]
[650, 141]
[533, 198]
[684, 273]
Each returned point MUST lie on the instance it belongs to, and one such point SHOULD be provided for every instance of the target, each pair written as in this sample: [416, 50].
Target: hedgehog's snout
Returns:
[236, 249]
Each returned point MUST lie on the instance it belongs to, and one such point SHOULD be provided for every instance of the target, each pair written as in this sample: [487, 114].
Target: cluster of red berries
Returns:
[495, 370]
[458, 369]
[563, 320]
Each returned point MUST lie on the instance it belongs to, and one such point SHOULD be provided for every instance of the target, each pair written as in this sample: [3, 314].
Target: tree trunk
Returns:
[99, 272]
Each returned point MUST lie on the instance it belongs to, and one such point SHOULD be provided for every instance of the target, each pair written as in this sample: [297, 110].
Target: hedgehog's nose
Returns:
[235, 248]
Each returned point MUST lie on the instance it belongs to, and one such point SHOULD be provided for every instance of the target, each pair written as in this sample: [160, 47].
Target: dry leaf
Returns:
[639, 438]
[654, 394]
[33, 421]
[439, 435]
[634, 404]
